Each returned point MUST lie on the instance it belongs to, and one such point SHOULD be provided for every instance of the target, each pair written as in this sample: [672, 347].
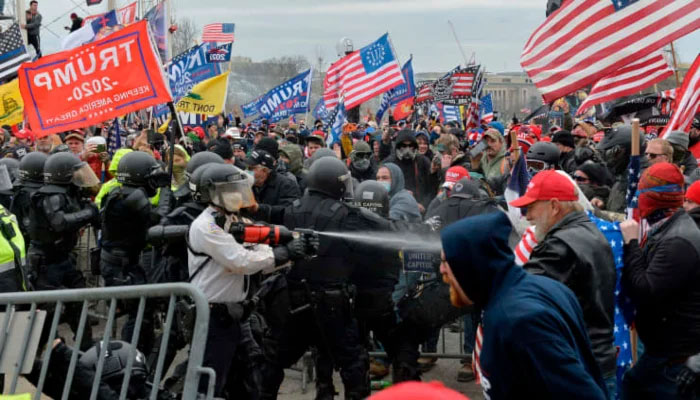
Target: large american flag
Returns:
[462, 83]
[362, 74]
[628, 80]
[424, 92]
[586, 40]
[218, 32]
[687, 101]
[12, 51]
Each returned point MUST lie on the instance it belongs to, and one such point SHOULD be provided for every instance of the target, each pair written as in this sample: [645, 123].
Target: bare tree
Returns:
[185, 36]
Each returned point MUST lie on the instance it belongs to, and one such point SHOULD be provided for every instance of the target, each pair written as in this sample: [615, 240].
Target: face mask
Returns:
[178, 169]
[361, 165]
[406, 153]
[387, 185]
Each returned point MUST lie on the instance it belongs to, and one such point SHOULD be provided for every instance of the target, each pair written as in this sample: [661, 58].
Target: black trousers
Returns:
[223, 338]
[35, 41]
[332, 329]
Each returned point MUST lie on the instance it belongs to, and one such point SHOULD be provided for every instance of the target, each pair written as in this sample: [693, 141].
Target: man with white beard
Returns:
[574, 252]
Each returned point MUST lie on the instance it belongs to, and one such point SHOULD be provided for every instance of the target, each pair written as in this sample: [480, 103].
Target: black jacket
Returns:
[417, 176]
[690, 163]
[695, 215]
[278, 190]
[575, 253]
[567, 162]
[663, 280]
[368, 174]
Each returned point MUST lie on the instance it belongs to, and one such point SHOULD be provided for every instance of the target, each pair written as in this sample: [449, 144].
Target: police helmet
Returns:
[201, 158]
[227, 187]
[330, 176]
[31, 168]
[65, 168]
[116, 357]
[373, 196]
[195, 183]
[140, 169]
[12, 166]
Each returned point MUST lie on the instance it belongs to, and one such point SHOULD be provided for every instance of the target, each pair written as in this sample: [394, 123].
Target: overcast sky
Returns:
[495, 30]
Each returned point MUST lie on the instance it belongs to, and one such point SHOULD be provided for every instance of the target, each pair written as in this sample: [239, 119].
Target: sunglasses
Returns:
[363, 155]
[404, 145]
[652, 156]
[579, 178]
[536, 165]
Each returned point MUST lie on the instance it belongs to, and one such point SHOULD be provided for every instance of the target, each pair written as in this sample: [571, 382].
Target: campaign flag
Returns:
[320, 111]
[362, 74]
[189, 68]
[102, 25]
[251, 109]
[628, 80]
[291, 97]
[400, 93]
[206, 97]
[486, 109]
[337, 120]
[448, 113]
[218, 33]
[220, 53]
[12, 104]
[92, 83]
[586, 40]
[687, 101]
[158, 20]
[125, 15]
[12, 51]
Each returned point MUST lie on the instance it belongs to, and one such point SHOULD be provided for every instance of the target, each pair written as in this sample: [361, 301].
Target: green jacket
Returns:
[497, 166]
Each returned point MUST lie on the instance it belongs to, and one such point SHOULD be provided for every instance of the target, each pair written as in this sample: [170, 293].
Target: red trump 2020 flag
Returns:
[362, 74]
[93, 83]
[586, 40]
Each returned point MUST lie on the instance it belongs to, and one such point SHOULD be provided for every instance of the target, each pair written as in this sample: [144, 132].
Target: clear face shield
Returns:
[84, 177]
[233, 196]
[5, 180]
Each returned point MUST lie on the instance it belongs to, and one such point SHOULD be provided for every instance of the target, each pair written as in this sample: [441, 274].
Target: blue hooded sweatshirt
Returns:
[402, 205]
[535, 344]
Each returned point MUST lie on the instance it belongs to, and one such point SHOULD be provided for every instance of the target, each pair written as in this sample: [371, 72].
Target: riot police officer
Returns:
[12, 246]
[59, 210]
[31, 178]
[320, 289]
[6, 195]
[126, 216]
[182, 194]
[221, 267]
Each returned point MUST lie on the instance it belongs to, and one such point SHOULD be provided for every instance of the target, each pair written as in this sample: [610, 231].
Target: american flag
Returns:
[462, 83]
[586, 40]
[218, 32]
[517, 186]
[634, 172]
[425, 92]
[362, 74]
[114, 139]
[12, 51]
[473, 115]
[687, 101]
[486, 109]
[628, 80]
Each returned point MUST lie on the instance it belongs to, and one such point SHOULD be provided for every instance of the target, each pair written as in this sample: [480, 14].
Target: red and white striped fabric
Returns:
[353, 78]
[218, 32]
[472, 115]
[628, 80]
[462, 83]
[687, 101]
[586, 40]
[522, 255]
[425, 93]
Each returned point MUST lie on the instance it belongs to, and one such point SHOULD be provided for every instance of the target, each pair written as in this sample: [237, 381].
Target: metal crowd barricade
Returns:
[111, 295]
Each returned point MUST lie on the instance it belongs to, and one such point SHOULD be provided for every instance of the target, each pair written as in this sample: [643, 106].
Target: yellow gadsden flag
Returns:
[12, 110]
[207, 97]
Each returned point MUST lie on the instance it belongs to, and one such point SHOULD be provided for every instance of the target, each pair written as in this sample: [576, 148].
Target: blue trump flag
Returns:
[321, 112]
[337, 120]
[400, 93]
[287, 99]
[251, 109]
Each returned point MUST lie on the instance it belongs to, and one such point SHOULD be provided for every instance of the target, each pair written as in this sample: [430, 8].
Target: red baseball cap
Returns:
[453, 175]
[547, 185]
[693, 192]
[418, 391]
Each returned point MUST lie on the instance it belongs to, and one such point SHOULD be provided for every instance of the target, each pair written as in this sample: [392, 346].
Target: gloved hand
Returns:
[688, 376]
[311, 243]
[281, 254]
[297, 248]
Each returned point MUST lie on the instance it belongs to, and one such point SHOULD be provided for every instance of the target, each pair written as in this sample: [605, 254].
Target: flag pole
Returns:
[459, 45]
[308, 97]
[675, 66]
[178, 126]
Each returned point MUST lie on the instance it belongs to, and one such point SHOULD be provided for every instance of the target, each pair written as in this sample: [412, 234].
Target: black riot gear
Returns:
[12, 166]
[117, 354]
[31, 168]
[59, 168]
[142, 170]
[202, 158]
[372, 196]
[226, 187]
[330, 176]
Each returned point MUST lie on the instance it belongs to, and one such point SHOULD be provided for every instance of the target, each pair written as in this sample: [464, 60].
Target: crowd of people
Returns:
[182, 209]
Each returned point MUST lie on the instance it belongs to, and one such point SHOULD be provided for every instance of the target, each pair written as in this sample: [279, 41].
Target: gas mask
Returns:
[361, 164]
[406, 153]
